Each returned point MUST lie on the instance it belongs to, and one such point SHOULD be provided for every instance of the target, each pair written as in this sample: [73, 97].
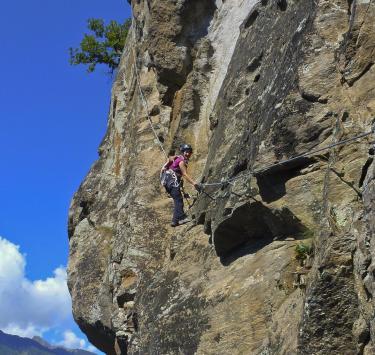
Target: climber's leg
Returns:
[178, 211]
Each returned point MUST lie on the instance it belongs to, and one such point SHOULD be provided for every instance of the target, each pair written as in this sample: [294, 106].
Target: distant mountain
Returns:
[15, 345]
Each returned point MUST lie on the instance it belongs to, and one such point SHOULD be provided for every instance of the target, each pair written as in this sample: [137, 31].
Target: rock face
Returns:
[248, 83]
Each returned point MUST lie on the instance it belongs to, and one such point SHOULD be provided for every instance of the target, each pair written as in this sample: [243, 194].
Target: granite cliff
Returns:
[248, 83]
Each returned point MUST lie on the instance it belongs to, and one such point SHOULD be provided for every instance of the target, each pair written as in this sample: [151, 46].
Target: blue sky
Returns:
[52, 119]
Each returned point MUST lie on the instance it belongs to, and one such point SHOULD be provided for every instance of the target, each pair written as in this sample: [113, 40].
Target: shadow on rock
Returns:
[251, 227]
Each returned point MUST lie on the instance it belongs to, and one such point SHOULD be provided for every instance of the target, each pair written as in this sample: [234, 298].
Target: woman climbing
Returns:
[172, 173]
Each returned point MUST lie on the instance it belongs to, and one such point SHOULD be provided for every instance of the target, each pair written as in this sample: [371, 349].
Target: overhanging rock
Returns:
[255, 223]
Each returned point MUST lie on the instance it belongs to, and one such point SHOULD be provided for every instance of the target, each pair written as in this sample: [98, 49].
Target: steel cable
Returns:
[250, 173]
[144, 100]
[310, 152]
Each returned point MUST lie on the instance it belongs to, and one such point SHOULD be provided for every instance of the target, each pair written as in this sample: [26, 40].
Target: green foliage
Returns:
[303, 250]
[306, 234]
[103, 46]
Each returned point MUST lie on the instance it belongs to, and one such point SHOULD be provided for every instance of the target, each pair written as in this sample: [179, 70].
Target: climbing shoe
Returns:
[180, 222]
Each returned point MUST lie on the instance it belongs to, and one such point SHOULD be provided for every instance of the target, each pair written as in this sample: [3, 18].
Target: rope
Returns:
[310, 152]
[144, 100]
[250, 173]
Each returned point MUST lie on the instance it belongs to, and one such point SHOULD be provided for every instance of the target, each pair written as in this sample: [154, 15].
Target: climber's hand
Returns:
[198, 187]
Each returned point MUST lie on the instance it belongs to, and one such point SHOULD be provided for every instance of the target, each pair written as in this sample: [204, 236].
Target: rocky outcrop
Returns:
[248, 84]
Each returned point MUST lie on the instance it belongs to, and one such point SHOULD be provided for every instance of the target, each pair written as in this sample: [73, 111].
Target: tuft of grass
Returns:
[306, 234]
[303, 251]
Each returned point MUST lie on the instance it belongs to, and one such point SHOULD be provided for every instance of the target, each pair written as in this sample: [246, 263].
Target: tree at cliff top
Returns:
[104, 46]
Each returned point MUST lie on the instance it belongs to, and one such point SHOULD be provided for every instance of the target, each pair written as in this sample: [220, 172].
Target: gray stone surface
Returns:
[248, 84]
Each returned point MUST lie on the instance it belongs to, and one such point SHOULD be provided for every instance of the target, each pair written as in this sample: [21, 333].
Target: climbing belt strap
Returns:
[230, 181]
[170, 179]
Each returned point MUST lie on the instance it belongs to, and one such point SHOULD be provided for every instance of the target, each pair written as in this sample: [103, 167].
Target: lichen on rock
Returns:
[248, 84]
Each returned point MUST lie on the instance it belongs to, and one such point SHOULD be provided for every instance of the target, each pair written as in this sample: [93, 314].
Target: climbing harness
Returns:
[169, 179]
[225, 182]
[186, 196]
[171, 171]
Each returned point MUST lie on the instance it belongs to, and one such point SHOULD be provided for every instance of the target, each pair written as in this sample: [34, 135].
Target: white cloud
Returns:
[72, 341]
[29, 308]
[27, 332]
[12, 263]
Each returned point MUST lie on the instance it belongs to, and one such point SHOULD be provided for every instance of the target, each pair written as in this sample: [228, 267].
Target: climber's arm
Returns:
[185, 175]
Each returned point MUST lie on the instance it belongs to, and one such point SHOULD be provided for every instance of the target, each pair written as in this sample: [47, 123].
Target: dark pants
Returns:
[178, 211]
[175, 192]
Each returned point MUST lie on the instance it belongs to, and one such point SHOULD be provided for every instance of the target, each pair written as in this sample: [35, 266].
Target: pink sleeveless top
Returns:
[175, 164]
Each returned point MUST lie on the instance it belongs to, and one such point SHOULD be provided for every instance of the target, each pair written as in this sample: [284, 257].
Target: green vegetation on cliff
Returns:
[104, 46]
